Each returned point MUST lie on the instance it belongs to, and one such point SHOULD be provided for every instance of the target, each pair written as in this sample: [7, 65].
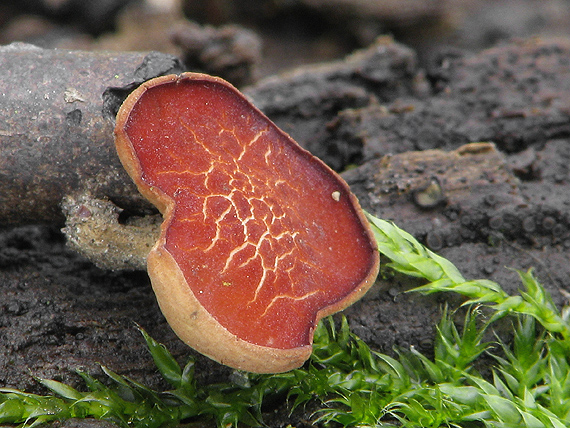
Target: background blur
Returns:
[271, 36]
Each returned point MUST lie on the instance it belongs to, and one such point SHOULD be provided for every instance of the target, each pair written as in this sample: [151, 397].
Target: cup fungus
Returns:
[260, 239]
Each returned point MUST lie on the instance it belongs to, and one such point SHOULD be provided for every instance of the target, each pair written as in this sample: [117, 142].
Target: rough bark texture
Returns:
[484, 207]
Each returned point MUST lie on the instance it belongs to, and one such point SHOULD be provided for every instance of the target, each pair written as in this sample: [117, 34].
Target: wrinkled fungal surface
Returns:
[267, 237]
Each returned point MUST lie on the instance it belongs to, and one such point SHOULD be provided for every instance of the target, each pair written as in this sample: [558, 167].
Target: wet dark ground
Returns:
[509, 209]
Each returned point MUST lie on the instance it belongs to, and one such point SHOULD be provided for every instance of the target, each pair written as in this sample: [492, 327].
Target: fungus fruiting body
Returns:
[260, 239]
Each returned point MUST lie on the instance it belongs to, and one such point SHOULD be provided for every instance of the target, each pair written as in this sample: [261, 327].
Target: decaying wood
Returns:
[60, 312]
[516, 95]
[56, 134]
[433, 192]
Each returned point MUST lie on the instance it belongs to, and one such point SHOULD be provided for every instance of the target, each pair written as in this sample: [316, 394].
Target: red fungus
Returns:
[260, 239]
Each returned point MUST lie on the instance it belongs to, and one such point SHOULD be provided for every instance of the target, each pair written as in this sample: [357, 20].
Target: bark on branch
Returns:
[57, 113]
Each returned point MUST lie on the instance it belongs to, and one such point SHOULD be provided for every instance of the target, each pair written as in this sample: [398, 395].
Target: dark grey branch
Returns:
[56, 135]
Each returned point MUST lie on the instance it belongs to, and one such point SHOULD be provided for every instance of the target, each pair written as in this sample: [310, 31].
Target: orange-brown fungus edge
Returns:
[260, 239]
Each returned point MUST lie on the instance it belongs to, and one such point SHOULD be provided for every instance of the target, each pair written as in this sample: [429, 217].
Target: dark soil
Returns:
[379, 110]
